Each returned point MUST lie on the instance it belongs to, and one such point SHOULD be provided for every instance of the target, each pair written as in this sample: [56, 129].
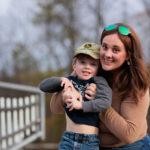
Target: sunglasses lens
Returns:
[111, 27]
[124, 30]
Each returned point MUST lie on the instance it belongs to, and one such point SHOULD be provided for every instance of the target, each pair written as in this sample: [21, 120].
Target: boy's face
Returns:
[85, 67]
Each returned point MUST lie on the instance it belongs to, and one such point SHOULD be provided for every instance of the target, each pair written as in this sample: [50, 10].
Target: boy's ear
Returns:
[73, 65]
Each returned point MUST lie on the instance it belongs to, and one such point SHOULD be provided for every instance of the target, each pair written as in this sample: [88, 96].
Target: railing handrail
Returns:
[19, 87]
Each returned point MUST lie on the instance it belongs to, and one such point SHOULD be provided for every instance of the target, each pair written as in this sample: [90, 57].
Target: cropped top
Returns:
[78, 116]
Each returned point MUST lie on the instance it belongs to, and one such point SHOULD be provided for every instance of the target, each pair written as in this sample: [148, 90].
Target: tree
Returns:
[59, 30]
[24, 64]
[64, 29]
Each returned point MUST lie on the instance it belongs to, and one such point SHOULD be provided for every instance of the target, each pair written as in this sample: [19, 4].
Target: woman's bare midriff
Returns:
[80, 128]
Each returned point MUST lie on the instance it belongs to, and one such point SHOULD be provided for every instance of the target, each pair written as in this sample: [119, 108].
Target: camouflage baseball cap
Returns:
[90, 49]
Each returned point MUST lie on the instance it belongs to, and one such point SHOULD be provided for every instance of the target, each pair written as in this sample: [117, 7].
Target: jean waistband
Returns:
[80, 137]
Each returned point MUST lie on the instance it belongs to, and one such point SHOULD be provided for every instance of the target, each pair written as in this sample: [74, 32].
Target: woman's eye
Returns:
[104, 46]
[115, 50]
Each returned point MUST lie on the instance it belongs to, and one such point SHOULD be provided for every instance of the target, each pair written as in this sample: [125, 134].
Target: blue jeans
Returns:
[143, 144]
[79, 141]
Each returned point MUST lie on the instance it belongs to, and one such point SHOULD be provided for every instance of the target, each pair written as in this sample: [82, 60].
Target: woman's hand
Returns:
[76, 104]
[72, 98]
[90, 92]
[67, 95]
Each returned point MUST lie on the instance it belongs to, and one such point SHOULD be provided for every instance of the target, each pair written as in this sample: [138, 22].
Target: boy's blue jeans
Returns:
[78, 141]
[143, 144]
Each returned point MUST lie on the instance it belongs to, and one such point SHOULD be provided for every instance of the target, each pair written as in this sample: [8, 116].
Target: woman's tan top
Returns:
[123, 123]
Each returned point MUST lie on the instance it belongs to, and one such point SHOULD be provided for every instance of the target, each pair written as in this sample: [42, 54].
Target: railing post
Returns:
[42, 97]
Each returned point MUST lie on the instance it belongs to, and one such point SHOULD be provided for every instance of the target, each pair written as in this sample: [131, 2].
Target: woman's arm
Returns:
[68, 96]
[128, 123]
[56, 103]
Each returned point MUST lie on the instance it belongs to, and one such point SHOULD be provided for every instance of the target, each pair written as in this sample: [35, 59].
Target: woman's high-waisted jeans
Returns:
[143, 144]
[78, 141]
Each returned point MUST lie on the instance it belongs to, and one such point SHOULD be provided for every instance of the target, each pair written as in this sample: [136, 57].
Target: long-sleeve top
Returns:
[103, 97]
[124, 122]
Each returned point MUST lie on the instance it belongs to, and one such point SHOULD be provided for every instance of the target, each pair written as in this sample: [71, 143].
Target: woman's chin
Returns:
[106, 68]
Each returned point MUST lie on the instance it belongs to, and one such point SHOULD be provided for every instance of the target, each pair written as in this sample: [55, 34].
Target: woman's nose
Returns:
[108, 53]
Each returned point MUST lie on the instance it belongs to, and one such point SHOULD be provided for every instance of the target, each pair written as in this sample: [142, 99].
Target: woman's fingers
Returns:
[67, 100]
[71, 107]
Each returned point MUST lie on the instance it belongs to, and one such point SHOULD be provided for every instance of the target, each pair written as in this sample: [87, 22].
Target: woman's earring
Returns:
[128, 63]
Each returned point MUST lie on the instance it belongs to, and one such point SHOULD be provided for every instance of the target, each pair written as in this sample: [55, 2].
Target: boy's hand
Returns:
[66, 83]
[90, 92]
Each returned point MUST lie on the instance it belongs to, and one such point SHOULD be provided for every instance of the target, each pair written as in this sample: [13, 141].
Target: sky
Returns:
[4, 5]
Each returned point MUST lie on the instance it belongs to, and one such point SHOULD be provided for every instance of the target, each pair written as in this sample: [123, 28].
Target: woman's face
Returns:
[112, 53]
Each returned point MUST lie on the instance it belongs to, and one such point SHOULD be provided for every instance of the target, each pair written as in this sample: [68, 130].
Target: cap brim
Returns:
[87, 53]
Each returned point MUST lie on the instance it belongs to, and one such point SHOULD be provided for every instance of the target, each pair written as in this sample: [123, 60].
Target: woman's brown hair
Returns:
[133, 78]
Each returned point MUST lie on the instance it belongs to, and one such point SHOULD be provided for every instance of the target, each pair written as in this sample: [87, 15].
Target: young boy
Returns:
[81, 114]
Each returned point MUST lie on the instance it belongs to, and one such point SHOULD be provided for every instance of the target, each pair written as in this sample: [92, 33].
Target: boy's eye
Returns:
[93, 64]
[82, 62]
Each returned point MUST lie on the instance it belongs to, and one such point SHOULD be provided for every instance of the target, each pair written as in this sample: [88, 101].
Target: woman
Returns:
[123, 126]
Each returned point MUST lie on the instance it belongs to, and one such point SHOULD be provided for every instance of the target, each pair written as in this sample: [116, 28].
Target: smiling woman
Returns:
[123, 125]
[122, 61]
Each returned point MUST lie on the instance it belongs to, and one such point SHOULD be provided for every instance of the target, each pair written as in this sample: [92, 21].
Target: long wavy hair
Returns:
[134, 79]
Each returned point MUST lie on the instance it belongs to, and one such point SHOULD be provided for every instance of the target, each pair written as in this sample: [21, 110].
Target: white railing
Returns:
[22, 115]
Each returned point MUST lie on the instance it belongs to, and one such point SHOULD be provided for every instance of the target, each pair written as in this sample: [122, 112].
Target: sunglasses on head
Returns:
[122, 29]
